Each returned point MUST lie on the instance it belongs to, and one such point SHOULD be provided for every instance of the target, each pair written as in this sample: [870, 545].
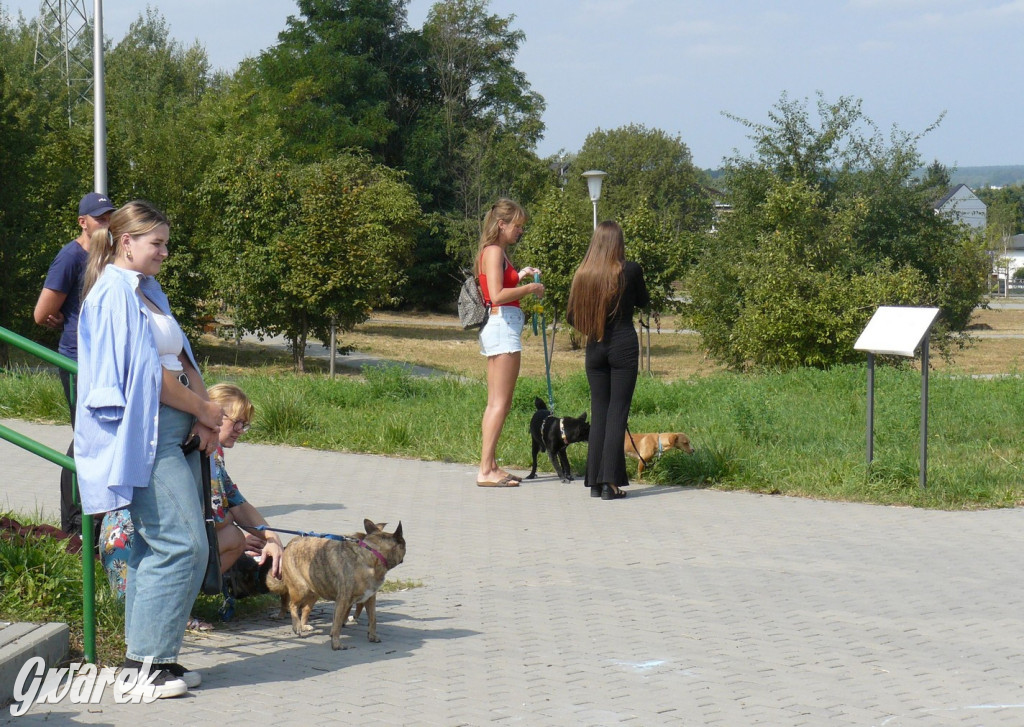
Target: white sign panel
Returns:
[896, 330]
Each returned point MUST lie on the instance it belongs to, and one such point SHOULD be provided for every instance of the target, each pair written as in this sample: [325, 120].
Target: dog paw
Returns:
[531, 476]
[350, 621]
[336, 645]
[373, 637]
[307, 629]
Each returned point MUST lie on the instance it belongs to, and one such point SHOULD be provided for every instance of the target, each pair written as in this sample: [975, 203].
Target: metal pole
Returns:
[924, 411]
[334, 342]
[88, 572]
[100, 183]
[595, 215]
[99, 102]
[871, 407]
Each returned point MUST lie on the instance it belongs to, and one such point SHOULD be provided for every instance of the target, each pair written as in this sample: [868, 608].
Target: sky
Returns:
[679, 65]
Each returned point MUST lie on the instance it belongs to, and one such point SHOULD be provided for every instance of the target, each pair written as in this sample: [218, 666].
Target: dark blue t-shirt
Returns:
[65, 276]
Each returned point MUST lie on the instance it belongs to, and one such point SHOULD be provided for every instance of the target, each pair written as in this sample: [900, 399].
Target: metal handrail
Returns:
[41, 450]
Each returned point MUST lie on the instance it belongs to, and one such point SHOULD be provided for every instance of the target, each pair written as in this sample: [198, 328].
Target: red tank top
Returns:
[510, 279]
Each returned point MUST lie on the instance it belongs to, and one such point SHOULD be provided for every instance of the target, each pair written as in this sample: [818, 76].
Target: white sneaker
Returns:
[160, 684]
[192, 679]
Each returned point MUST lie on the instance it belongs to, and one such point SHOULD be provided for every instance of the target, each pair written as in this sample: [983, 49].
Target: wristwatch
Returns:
[183, 378]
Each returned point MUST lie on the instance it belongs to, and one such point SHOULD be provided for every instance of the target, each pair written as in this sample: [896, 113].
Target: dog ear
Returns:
[583, 417]
[369, 526]
[398, 532]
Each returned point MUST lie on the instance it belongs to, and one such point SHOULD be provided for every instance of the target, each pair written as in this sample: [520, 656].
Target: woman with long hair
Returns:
[501, 337]
[140, 396]
[605, 291]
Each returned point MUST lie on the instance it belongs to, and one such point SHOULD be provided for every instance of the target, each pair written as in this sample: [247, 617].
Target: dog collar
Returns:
[381, 558]
[661, 450]
[561, 428]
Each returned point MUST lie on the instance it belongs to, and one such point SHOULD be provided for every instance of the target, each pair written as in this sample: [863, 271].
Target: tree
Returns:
[646, 167]
[488, 119]
[555, 241]
[160, 146]
[651, 244]
[306, 246]
[45, 170]
[474, 136]
[17, 290]
[1005, 218]
[328, 79]
[828, 223]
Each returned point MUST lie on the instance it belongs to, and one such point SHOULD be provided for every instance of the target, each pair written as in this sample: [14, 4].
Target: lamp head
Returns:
[594, 180]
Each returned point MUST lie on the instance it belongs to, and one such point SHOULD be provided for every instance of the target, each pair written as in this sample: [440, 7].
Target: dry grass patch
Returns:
[996, 348]
[435, 340]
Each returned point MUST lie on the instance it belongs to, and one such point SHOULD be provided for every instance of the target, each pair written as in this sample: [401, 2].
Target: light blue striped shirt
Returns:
[119, 380]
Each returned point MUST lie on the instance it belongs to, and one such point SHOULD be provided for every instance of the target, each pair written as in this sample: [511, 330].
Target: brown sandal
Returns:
[506, 481]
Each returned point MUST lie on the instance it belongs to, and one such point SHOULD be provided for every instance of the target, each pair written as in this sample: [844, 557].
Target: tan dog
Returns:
[346, 572]
[649, 445]
[359, 606]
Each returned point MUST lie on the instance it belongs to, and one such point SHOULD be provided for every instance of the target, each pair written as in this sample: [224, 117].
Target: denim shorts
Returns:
[503, 332]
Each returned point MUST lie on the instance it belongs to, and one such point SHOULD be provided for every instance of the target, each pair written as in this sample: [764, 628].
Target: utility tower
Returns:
[62, 43]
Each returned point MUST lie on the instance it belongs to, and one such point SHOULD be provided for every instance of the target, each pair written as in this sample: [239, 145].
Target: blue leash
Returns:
[306, 533]
[328, 536]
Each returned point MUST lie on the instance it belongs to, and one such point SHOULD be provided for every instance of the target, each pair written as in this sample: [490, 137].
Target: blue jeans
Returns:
[169, 554]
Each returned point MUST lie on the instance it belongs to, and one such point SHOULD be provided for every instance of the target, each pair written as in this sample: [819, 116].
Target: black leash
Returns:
[639, 456]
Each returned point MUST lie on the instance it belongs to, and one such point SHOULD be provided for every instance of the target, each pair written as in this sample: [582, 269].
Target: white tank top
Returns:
[169, 340]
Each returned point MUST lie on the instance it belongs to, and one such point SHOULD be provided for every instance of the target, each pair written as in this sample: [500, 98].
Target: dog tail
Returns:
[539, 403]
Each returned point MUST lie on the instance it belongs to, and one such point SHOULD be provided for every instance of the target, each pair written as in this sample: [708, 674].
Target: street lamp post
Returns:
[594, 180]
[99, 102]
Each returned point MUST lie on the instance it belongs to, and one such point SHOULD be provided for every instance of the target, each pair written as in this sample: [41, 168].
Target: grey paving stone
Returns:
[541, 606]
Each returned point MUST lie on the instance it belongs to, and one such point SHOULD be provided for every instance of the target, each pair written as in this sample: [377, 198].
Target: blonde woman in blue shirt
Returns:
[139, 396]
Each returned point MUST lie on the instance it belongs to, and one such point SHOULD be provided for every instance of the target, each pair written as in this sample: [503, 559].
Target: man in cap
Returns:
[58, 306]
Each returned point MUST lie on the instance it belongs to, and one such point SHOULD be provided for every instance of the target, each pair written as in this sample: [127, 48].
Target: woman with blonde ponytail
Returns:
[501, 337]
[140, 396]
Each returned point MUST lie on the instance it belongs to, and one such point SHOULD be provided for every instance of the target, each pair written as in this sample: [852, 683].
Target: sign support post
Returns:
[897, 331]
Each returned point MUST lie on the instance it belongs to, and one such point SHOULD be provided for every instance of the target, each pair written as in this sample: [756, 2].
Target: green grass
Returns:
[797, 433]
[41, 581]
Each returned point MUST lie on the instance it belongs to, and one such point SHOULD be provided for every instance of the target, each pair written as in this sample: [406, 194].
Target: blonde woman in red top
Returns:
[501, 337]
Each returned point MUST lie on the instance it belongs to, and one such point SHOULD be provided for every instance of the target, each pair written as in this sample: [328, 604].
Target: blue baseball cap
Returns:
[95, 204]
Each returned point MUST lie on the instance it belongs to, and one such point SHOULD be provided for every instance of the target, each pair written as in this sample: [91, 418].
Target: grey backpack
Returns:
[473, 312]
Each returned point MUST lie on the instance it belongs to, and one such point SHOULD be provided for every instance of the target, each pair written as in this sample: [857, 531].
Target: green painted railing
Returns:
[37, 448]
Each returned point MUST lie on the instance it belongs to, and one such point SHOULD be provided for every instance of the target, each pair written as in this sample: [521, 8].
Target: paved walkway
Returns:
[540, 606]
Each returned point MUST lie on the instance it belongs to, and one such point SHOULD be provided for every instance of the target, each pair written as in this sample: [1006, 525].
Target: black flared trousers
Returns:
[611, 372]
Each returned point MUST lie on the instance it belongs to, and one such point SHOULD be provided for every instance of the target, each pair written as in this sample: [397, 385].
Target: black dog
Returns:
[247, 577]
[553, 434]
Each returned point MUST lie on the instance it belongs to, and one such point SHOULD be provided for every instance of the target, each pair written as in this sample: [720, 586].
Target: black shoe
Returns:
[595, 490]
[192, 679]
[163, 684]
[610, 494]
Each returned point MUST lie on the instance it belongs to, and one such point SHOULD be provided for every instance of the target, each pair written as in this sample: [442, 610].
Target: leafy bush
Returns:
[828, 223]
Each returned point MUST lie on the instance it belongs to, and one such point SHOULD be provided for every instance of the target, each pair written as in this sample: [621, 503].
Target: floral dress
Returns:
[117, 531]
